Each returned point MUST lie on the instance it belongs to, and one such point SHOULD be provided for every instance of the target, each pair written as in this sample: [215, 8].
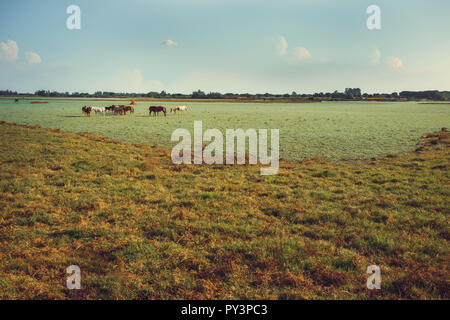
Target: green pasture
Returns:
[333, 130]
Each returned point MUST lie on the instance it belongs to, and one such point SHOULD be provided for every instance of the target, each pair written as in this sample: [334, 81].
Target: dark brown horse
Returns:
[110, 108]
[86, 110]
[156, 110]
[120, 110]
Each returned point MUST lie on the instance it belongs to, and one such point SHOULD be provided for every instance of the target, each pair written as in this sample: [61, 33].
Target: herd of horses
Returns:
[123, 109]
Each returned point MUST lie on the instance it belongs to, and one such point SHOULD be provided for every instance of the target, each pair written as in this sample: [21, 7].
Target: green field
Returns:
[332, 130]
[140, 227]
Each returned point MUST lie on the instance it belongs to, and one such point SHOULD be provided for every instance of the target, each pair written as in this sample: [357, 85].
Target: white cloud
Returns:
[32, 57]
[131, 80]
[294, 55]
[301, 54]
[155, 85]
[376, 57]
[170, 43]
[395, 63]
[9, 50]
[281, 45]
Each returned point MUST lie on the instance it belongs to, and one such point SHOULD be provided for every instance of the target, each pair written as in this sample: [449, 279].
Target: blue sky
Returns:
[224, 45]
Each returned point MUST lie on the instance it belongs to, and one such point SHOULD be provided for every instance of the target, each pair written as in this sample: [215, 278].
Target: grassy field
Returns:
[332, 130]
[140, 227]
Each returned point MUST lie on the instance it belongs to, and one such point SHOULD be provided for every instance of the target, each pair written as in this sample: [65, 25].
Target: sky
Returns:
[239, 46]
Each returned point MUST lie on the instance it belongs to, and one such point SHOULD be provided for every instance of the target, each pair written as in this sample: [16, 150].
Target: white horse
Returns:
[178, 108]
[99, 109]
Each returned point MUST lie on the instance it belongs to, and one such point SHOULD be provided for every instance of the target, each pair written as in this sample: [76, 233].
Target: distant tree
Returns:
[199, 94]
[153, 94]
[214, 95]
[430, 94]
[353, 93]
[41, 93]
[7, 93]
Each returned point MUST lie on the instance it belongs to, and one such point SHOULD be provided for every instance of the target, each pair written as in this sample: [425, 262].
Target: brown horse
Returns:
[86, 110]
[110, 108]
[156, 110]
[128, 108]
[120, 110]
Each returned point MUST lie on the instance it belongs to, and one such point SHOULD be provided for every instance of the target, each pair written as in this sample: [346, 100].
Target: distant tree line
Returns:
[348, 94]
[430, 95]
[8, 93]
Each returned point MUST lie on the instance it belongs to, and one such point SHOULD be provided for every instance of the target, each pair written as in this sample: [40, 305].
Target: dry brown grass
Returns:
[140, 227]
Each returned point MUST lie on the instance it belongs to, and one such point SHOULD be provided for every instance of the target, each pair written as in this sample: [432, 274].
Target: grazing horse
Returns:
[119, 110]
[128, 108]
[156, 110]
[178, 108]
[110, 108]
[86, 110]
[98, 109]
